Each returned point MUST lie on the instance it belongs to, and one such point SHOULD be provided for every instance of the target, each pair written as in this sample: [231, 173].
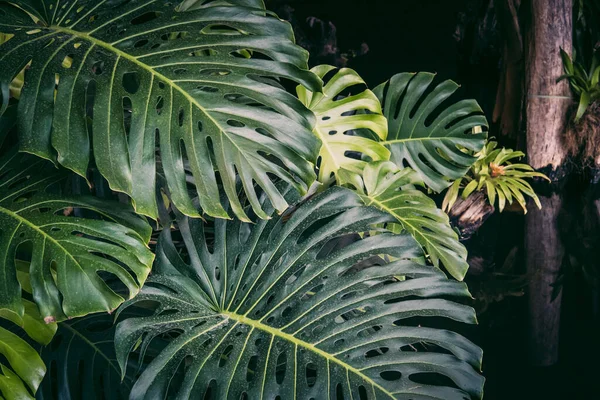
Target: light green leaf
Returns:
[32, 322]
[390, 189]
[430, 143]
[300, 307]
[350, 128]
[26, 367]
[155, 77]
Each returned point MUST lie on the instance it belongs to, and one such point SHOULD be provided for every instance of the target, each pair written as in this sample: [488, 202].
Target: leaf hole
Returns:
[310, 373]
[236, 124]
[251, 369]
[160, 102]
[225, 354]
[131, 82]
[146, 17]
[281, 367]
[376, 352]
[208, 89]
[140, 43]
[362, 393]
[390, 376]
[215, 72]
[98, 67]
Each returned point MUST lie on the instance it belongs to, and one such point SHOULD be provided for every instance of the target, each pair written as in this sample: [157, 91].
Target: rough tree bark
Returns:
[549, 27]
[470, 213]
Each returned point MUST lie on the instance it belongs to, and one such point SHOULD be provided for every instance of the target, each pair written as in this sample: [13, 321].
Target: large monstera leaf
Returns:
[71, 255]
[300, 307]
[391, 189]
[435, 143]
[201, 84]
[350, 127]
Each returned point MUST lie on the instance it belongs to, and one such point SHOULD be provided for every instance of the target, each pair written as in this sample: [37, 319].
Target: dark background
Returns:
[440, 36]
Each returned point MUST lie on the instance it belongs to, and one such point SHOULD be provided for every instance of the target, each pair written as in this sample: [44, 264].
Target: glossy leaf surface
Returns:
[291, 308]
[24, 371]
[202, 85]
[429, 140]
[385, 186]
[342, 122]
[70, 256]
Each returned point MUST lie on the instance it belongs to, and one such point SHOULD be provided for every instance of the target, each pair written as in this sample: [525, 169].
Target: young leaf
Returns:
[341, 123]
[25, 367]
[390, 189]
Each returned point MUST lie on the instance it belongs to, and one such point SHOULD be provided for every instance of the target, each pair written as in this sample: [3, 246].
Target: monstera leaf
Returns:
[350, 128]
[70, 254]
[25, 370]
[435, 144]
[200, 84]
[385, 186]
[292, 309]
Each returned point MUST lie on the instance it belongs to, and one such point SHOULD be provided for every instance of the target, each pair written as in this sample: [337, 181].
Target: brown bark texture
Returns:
[547, 102]
[470, 213]
[544, 257]
[549, 28]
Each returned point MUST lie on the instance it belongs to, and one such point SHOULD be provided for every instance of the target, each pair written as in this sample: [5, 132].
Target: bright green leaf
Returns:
[26, 366]
[342, 122]
[390, 189]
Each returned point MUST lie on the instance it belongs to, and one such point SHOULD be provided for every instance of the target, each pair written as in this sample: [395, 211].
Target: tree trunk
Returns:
[544, 254]
[470, 213]
[549, 29]
[547, 101]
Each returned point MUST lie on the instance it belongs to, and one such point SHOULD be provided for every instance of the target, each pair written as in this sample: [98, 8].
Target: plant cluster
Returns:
[292, 254]
[584, 82]
[501, 178]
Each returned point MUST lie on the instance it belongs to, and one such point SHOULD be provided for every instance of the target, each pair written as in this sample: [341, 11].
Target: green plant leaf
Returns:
[584, 102]
[71, 254]
[32, 322]
[25, 367]
[154, 76]
[430, 143]
[300, 306]
[192, 4]
[342, 122]
[82, 363]
[390, 189]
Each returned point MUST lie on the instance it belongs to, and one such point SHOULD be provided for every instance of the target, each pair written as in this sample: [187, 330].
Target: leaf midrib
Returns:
[44, 234]
[297, 342]
[145, 67]
[152, 71]
[31, 225]
[403, 221]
